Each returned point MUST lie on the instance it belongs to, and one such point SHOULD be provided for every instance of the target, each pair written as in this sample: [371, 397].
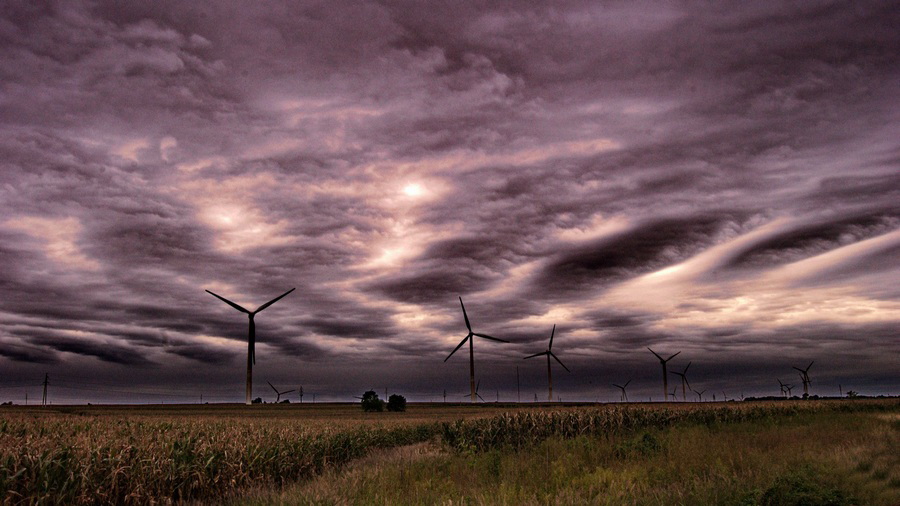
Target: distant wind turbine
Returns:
[471, 338]
[549, 354]
[477, 386]
[700, 394]
[251, 340]
[804, 377]
[624, 397]
[279, 394]
[685, 385]
[784, 391]
[665, 376]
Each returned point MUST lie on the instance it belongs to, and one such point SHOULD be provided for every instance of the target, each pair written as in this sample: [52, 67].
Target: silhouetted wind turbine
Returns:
[470, 337]
[674, 389]
[804, 376]
[477, 386]
[251, 340]
[684, 382]
[665, 376]
[700, 394]
[783, 388]
[790, 390]
[279, 394]
[549, 354]
[624, 397]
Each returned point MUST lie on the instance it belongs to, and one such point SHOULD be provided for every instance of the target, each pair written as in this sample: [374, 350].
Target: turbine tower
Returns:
[624, 397]
[549, 354]
[665, 375]
[804, 377]
[251, 340]
[685, 384]
[471, 338]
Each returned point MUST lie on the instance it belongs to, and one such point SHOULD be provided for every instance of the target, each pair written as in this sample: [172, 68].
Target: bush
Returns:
[396, 403]
[371, 402]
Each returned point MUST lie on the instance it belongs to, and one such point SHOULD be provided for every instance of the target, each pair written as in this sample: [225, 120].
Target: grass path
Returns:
[812, 458]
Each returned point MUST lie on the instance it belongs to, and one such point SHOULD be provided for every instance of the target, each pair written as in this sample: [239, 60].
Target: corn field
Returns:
[516, 430]
[124, 461]
[122, 458]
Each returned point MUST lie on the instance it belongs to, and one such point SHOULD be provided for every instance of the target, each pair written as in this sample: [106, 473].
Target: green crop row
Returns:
[516, 430]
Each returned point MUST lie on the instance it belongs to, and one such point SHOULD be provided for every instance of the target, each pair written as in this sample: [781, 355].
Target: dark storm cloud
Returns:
[813, 239]
[385, 158]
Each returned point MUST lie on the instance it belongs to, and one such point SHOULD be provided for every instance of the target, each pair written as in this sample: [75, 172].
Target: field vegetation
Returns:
[483, 454]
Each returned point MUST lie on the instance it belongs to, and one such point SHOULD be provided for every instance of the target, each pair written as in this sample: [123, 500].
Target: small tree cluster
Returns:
[371, 402]
[396, 403]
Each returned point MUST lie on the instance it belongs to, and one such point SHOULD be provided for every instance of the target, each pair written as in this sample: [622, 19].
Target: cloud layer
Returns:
[721, 180]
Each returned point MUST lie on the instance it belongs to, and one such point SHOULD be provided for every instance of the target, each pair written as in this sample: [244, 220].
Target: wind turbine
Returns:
[471, 338]
[476, 392]
[549, 354]
[685, 384]
[251, 340]
[624, 397]
[804, 376]
[700, 394]
[790, 390]
[674, 398]
[665, 376]
[279, 394]
[783, 388]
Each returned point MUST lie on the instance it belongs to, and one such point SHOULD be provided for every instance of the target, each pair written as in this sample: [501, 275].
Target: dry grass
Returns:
[808, 457]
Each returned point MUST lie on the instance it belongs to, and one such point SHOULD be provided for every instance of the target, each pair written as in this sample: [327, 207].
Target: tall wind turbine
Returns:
[279, 394]
[549, 354]
[471, 338]
[700, 394]
[476, 392]
[251, 340]
[665, 376]
[685, 384]
[624, 397]
[784, 392]
[804, 376]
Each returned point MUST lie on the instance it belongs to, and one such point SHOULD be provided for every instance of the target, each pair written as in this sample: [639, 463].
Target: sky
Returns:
[720, 179]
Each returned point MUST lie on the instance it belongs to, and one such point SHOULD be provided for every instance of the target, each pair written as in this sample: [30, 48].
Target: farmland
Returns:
[637, 453]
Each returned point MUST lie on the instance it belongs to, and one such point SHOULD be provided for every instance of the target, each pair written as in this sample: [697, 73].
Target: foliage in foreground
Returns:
[826, 457]
[124, 461]
[517, 430]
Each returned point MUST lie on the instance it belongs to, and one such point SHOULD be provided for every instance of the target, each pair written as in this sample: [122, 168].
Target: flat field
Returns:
[734, 453]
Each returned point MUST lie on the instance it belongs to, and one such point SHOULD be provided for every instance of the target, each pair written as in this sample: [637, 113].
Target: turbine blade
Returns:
[657, 355]
[273, 387]
[558, 360]
[276, 299]
[686, 368]
[479, 396]
[536, 355]
[491, 338]
[551, 337]
[797, 368]
[673, 356]
[618, 386]
[232, 304]
[468, 325]
[286, 392]
[461, 343]
[627, 382]
[810, 365]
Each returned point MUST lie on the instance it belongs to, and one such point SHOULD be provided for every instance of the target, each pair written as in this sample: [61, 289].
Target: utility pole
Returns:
[46, 382]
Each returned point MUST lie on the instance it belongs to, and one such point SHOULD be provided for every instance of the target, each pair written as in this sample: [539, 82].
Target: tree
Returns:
[396, 403]
[371, 402]
[852, 394]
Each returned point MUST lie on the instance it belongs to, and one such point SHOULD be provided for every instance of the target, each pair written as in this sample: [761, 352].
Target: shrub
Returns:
[396, 403]
[371, 402]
